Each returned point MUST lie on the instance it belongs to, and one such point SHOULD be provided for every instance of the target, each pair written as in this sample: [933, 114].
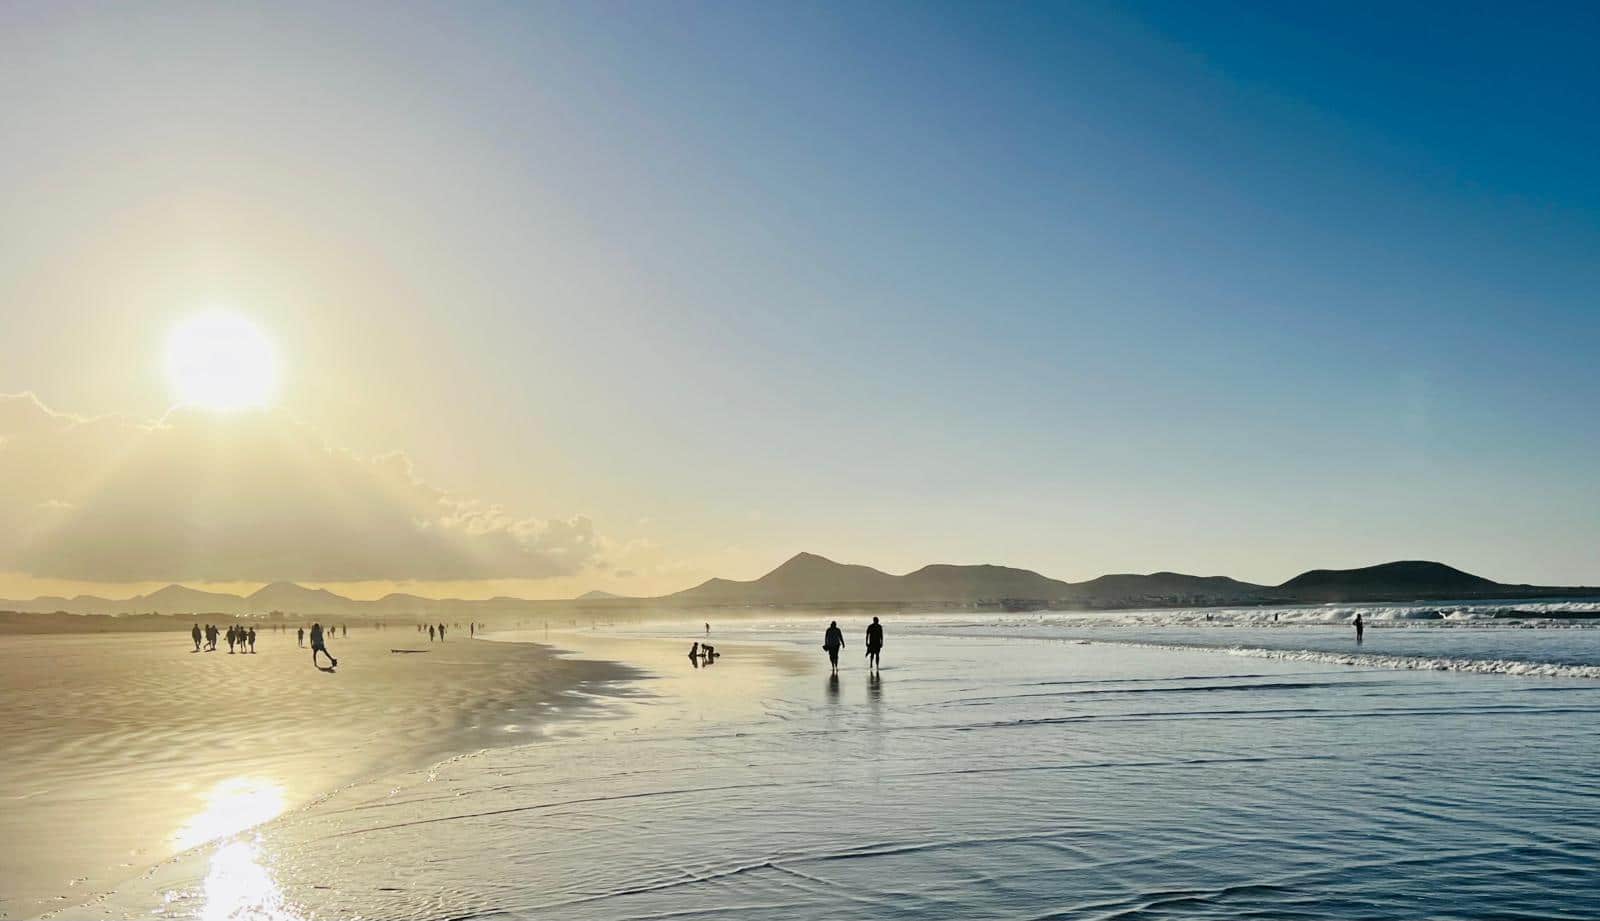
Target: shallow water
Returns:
[986, 775]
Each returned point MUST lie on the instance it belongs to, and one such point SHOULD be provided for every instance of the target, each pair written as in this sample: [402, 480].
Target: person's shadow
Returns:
[326, 668]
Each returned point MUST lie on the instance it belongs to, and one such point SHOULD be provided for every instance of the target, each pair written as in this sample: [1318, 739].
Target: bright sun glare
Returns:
[221, 361]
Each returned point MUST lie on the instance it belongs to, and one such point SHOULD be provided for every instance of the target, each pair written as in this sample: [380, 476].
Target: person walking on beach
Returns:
[1360, 627]
[430, 633]
[874, 642]
[441, 633]
[319, 645]
[231, 637]
[833, 641]
[194, 634]
[300, 637]
[251, 636]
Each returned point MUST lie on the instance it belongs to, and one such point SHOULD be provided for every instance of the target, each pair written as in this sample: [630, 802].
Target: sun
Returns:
[220, 361]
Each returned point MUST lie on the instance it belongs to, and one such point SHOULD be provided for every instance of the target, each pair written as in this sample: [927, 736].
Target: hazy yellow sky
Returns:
[564, 298]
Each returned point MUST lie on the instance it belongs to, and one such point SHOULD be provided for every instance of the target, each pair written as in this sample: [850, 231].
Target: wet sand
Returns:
[122, 750]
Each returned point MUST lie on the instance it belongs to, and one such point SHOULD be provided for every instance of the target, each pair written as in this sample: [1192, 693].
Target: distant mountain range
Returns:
[810, 580]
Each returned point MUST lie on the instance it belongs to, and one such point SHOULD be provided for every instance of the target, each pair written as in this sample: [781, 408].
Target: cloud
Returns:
[246, 497]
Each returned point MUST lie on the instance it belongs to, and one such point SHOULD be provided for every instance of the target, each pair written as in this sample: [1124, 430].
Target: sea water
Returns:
[1009, 767]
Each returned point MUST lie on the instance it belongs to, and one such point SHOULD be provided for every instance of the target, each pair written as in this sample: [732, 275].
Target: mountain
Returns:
[287, 596]
[180, 599]
[807, 578]
[1400, 581]
[1169, 587]
[596, 595]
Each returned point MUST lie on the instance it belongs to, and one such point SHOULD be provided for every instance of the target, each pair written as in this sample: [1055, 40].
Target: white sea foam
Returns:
[1543, 613]
[1405, 663]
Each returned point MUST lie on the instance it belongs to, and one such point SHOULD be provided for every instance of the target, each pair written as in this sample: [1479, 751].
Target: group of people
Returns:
[833, 642]
[702, 653]
[432, 632]
[240, 638]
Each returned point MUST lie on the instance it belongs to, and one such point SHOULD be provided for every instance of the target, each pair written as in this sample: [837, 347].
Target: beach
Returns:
[121, 750]
[984, 772]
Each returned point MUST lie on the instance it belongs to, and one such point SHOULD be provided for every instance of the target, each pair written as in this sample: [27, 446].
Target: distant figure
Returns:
[1360, 628]
[300, 637]
[709, 653]
[194, 634]
[708, 629]
[833, 641]
[472, 629]
[430, 633]
[318, 645]
[441, 633]
[232, 637]
[694, 654]
[874, 642]
[252, 637]
[344, 629]
[1274, 616]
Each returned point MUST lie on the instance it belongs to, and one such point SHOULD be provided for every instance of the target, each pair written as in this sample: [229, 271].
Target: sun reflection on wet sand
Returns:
[238, 886]
[232, 806]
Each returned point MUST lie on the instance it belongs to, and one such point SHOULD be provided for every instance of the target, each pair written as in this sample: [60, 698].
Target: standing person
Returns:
[300, 637]
[251, 636]
[441, 633]
[430, 633]
[1360, 627]
[708, 629]
[833, 641]
[319, 645]
[230, 639]
[472, 628]
[874, 642]
[194, 634]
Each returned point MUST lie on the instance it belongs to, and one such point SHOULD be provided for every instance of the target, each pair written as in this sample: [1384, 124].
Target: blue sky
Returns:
[1224, 288]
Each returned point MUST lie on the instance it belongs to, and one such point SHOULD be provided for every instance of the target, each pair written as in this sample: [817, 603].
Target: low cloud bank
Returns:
[246, 497]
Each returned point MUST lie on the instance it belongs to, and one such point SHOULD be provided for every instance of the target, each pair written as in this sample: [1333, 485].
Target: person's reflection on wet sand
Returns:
[874, 688]
[833, 687]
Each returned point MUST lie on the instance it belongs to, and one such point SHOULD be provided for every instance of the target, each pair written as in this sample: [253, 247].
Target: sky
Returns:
[625, 296]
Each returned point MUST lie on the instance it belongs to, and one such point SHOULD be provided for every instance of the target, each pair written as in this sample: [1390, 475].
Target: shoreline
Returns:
[190, 748]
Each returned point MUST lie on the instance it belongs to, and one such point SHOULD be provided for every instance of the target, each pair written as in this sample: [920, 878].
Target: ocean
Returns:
[1045, 766]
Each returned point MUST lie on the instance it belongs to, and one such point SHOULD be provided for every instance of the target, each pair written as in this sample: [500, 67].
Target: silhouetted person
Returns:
[709, 652]
[232, 637]
[344, 629]
[874, 642]
[300, 637]
[252, 637]
[694, 654]
[430, 633]
[1361, 628]
[472, 629]
[441, 633]
[833, 641]
[708, 629]
[194, 634]
[318, 645]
